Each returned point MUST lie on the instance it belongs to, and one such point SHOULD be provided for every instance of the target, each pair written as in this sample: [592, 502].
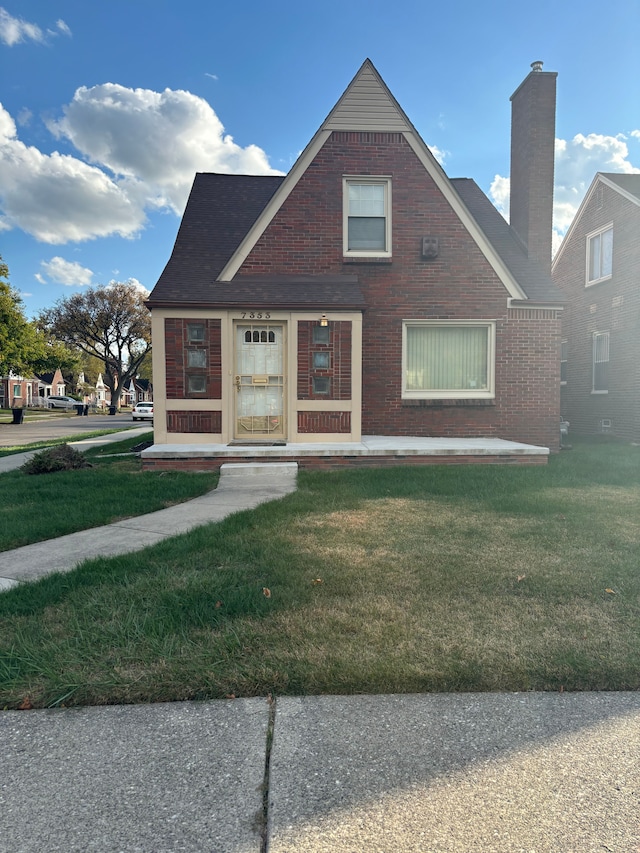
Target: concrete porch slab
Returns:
[373, 450]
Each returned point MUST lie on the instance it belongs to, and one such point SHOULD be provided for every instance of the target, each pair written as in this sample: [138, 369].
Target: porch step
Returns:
[246, 473]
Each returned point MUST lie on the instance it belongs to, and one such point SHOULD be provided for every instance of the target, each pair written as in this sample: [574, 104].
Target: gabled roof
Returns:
[626, 185]
[227, 214]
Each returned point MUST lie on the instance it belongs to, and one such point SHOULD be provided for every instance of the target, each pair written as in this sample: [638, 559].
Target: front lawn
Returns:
[448, 578]
[44, 506]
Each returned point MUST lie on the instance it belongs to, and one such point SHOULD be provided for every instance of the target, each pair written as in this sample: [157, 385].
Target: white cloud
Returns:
[138, 150]
[16, 30]
[438, 153]
[69, 273]
[576, 163]
[157, 138]
[62, 26]
[132, 282]
[58, 198]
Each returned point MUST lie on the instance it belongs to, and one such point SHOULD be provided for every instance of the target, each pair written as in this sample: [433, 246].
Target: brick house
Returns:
[598, 270]
[364, 293]
[17, 391]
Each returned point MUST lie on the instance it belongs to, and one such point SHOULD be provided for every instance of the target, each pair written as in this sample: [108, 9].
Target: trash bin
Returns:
[79, 408]
[112, 410]
[86, 410]
[18, 416]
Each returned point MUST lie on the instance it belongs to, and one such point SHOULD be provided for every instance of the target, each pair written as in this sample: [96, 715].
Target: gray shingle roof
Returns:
[219, 212]
[630, 183]
[531, 277]
[222, 208]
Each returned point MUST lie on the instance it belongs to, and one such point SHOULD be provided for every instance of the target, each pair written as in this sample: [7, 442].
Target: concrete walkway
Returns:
[493, 773]
[241, 486]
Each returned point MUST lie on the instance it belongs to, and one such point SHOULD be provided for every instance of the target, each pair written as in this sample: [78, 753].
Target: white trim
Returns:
[487, 393]
[374, 180]
[277, 200]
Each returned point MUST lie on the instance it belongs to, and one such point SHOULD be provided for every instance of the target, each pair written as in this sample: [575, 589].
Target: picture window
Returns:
[448, 360]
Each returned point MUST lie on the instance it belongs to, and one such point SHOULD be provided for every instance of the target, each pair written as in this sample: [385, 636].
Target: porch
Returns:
[371, 451]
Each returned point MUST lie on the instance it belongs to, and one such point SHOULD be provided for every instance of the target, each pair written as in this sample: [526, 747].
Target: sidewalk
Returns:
[493, 773]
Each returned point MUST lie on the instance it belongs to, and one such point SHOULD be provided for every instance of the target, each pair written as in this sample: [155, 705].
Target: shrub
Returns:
[60, 458]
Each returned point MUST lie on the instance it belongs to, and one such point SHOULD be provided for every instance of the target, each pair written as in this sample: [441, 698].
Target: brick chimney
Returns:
[533, 130]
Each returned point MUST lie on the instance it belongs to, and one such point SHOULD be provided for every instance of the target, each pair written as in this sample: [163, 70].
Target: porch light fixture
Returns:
[323, 320]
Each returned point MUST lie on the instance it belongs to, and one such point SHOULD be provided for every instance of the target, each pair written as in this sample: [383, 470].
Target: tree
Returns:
[24, 349]
[110, 323]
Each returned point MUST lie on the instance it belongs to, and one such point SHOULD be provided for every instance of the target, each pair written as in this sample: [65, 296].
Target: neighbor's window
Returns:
[197, 384]
[564, 349]
[367, 216]
[448, 359]
[600, 362]
[600, 255]
[195, 332]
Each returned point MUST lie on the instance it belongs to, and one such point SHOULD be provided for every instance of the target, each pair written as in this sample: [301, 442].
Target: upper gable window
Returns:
[600, 255]
[367, 217]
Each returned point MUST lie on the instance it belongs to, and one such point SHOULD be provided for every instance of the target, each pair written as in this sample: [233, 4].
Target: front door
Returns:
[259, 381]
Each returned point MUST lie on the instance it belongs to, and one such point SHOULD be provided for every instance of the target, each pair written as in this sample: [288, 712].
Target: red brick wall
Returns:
[612, 306]
[324, 422]
[186, 421]
[176, 346]
[305, 237]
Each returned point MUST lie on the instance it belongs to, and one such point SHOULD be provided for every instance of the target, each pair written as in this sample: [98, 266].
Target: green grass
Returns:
[409, 580]
[44, 506]
[69, 439]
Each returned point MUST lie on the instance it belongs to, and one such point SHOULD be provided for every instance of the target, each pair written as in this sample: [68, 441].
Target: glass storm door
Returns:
[259, 381]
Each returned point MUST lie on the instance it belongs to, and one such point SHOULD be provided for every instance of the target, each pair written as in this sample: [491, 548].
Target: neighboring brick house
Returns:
[51, 383]
[365, 293]
[17, 391]
[598, 269]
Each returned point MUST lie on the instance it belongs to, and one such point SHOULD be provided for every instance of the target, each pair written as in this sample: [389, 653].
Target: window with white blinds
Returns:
[448, 359]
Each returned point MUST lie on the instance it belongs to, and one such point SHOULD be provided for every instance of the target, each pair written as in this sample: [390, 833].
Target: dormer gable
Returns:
[367, 105]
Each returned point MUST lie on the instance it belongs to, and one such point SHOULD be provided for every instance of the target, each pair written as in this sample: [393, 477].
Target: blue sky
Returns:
[107, 109]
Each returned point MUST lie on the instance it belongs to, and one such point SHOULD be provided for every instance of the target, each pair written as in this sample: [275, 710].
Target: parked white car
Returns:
[55, 402]
[142, 412]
